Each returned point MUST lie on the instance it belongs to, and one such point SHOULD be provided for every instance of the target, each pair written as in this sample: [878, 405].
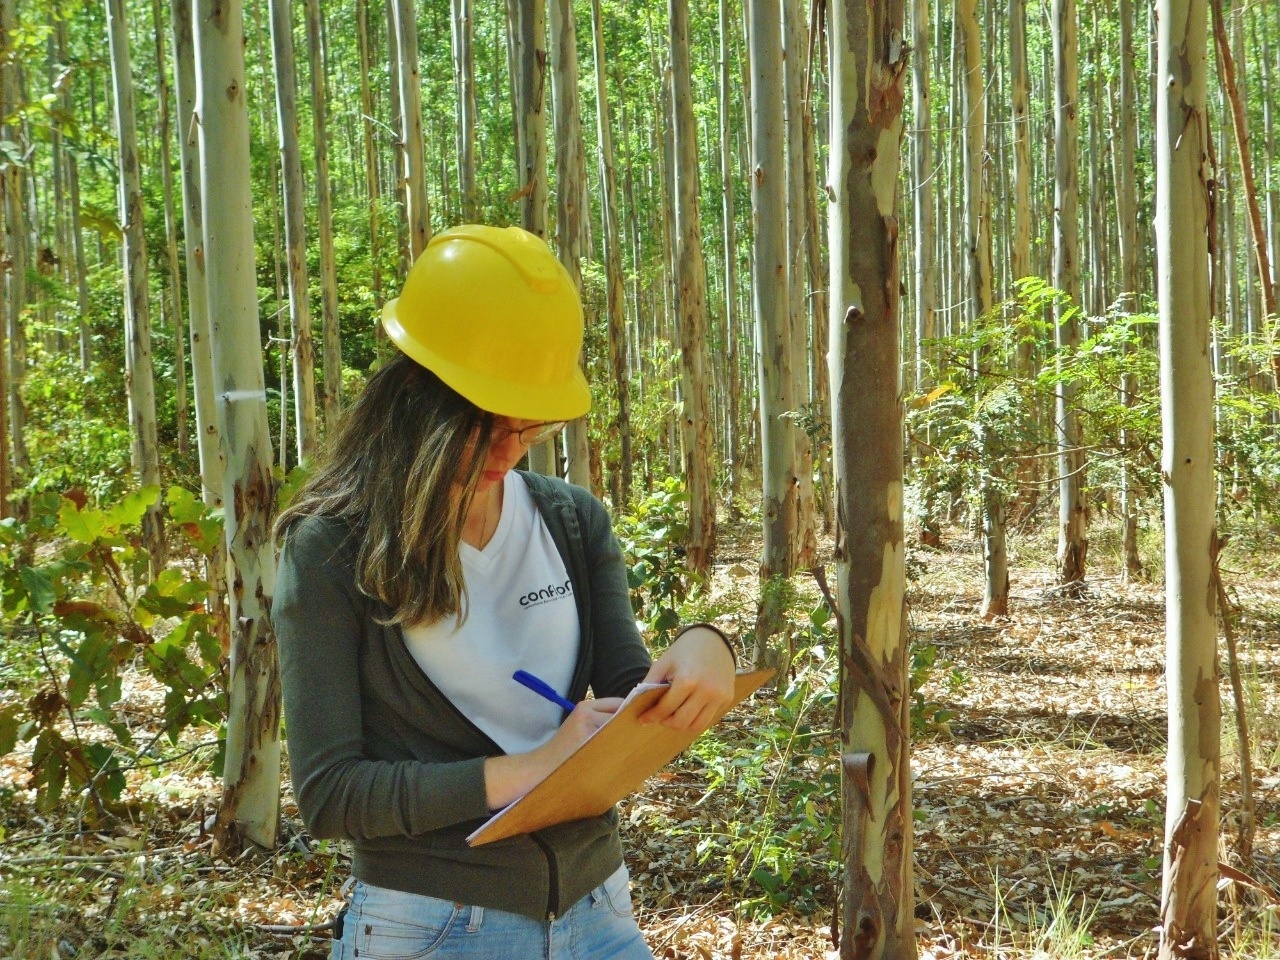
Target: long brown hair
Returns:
[400, 472]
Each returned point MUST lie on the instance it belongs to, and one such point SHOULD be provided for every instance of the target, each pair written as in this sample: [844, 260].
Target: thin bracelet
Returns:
[717, 631]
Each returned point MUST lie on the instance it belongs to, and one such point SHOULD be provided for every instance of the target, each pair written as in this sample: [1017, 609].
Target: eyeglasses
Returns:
[531, 435]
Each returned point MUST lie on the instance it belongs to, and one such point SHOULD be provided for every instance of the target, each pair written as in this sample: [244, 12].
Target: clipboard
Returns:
[612, 763]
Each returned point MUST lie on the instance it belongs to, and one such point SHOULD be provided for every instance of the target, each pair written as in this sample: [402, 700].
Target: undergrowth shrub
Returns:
[79, 610]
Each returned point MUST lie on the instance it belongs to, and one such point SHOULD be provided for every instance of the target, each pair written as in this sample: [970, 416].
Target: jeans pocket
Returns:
[617, 892]
[393, 925]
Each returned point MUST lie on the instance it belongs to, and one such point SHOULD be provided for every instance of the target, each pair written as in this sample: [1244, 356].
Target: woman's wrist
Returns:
[717, 631]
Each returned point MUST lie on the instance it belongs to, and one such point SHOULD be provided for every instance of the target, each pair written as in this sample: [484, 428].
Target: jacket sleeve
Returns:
[320, 619]
[620, 659]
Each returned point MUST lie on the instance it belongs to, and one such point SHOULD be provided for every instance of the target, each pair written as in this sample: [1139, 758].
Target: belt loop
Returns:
[345, 890]
[477, 918]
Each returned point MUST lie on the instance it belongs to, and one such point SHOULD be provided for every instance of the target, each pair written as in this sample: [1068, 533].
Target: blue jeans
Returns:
[384, 924]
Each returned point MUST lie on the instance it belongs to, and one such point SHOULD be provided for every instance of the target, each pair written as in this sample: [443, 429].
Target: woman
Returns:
[418, 571]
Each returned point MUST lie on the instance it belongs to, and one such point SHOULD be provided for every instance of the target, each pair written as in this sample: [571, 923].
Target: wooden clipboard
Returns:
[611, 763]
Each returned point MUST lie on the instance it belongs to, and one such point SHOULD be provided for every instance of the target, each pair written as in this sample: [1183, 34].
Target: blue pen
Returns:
[542, 688]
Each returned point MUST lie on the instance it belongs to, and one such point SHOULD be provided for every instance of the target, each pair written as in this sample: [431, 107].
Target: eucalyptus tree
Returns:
[1019, 81]
[413, 174]
[464, 72]
[527, 43]
[1240, 126]
[250, 803]
[16, 243]
[173, 286]
[140, 380]
[725, 93]
[995, 601]
[1188, 910]
[295, 228]
[925, 299]
[795, 41]
[868, 77]
[779, 507]
[1072, 543]
[615, 281]
[691, 302]
[570, 190]
[208, 432]
[373, 189]
[73, 202]
[1125, 162]
[332, 336]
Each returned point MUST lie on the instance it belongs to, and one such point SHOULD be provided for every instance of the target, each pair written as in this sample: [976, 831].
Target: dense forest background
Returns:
[631, 136]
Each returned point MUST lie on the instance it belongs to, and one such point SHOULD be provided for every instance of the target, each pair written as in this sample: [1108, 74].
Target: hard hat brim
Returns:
[566, 400]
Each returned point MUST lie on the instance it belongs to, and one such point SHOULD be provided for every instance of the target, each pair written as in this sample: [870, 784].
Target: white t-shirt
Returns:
[521, 615]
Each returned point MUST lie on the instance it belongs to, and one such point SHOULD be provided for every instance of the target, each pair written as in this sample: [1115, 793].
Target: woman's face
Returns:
[505, 449]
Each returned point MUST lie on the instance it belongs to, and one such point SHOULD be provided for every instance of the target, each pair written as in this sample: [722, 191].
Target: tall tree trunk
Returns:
[464, 76]
[691, 270]
[733, 458]
[414, 173]
[373, 185]
[171, 236]
[995, 601]
[779, 509]
[615, 289]
[528, 28]
[1072, 545]
[570, 193]
[1127, 217]
[9, 306]
[868, 79]
[332, 335]
[295, 229]
[795, 42]
[140, 385]
[208, 433]
[77, 236]
[1183, 203]
[17, 248]
[250, 804]
[1240, 125]
[921, 110]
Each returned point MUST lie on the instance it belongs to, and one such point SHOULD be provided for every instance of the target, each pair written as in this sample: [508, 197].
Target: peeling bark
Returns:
[868, 66]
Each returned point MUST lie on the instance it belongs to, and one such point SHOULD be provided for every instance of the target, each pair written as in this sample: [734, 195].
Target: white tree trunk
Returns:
[332, 336]
[140, 385]
[868, 78]
[795, 42]
[295, 229]
[1183, 180]
[1072, 545]
[409, 84]
[615, 283]
[780, 508]
[926, 296]
[464, 74]
[570, 193]
[691, 269]
[208, 434]
[528, 28]
[250, 806]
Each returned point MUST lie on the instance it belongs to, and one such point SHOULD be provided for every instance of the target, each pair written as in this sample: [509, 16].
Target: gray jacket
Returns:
[380, 757]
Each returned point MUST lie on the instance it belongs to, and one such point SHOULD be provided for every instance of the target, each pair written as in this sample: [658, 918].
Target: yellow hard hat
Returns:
[492, 313]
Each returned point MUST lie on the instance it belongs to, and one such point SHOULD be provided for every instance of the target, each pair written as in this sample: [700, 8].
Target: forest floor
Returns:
[1038, 789]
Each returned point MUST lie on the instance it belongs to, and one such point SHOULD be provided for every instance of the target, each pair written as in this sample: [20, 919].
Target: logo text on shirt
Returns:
[549, 592]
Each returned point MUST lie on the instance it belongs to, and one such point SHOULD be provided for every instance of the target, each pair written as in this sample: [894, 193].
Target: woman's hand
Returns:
[509, 777]
[700, 668]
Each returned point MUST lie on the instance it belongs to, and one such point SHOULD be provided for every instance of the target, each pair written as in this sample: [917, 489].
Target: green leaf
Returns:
[40, 589]
[8, 729]
[130, 511]
[82, 525]
[91, 666]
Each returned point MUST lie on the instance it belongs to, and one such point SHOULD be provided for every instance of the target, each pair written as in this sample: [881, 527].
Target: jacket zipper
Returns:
[553, 878]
